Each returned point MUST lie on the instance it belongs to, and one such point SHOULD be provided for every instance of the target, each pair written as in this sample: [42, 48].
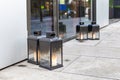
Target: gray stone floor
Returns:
[114, 20]
[87, 60]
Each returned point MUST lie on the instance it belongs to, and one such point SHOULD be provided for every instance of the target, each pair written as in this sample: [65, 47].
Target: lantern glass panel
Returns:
[33, 51]
[45, 54]
[90, 35]
[56, 53]
[78, 36]
[32, 55]
[85, 35]
[95, 32]
[96, 35]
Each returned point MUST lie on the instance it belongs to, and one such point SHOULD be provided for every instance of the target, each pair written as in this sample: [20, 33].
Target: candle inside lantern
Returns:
[35, 58]
[54, 59]
[61, 35]
[81, 36]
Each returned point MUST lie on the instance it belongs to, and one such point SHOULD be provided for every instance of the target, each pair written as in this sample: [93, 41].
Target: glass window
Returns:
[41, 16]
[71, 12]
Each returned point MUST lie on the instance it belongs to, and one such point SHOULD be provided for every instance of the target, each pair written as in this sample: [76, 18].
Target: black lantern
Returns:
[82, 32]
[81, 23]
[50, 34]
[93, 22]
[95, 32]
[33, 51]
[51, 53]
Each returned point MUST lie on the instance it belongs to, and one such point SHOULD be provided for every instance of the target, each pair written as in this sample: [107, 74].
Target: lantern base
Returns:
[77, 38]
[94, 39]
[81, 39]
[51, 68]
[46, 64]
[32, 61]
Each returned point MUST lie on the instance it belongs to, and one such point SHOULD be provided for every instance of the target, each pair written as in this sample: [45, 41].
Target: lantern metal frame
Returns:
[47, 44]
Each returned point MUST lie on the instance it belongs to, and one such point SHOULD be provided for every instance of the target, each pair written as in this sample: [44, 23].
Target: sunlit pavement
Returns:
[87, 60]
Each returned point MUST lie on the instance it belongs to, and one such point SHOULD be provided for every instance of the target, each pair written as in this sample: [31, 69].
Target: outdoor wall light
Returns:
[33, 51]
[51, 53]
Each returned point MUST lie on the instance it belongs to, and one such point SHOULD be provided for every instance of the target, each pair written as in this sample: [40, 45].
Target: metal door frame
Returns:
[28, 3]
[93, 10]
[56, 16]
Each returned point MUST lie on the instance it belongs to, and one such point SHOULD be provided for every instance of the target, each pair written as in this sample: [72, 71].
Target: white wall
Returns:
[102, 12]
[13, 32]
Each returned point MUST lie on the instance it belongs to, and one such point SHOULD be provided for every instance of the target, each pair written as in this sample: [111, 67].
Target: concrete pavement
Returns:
[88, 60]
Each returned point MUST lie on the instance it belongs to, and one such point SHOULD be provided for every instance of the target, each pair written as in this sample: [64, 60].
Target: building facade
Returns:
[20, 18]
[13, 32]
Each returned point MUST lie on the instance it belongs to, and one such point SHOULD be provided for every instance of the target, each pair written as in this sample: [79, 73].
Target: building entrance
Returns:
[51, 15]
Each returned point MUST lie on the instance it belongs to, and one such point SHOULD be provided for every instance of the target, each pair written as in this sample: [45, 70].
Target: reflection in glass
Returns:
[71, 12]
[33, 52]
[41, 15]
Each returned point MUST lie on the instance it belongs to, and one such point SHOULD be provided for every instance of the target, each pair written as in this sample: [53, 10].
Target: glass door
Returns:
[71, 12]
[60, 16]
[41, 16]
[85, 11]
[69, 17]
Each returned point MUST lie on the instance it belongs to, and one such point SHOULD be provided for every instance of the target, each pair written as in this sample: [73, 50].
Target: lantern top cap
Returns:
[35, 37]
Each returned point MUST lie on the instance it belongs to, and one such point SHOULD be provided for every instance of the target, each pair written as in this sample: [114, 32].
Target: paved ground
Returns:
[113, 20]
[88, 60]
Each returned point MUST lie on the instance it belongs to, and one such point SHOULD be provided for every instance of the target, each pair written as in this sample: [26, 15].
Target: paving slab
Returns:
[18, 73]
[97, 51]
[75, 42]
[99, 67]
[67, 60]
[111, 41]
[110, 44]
[86, 60]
